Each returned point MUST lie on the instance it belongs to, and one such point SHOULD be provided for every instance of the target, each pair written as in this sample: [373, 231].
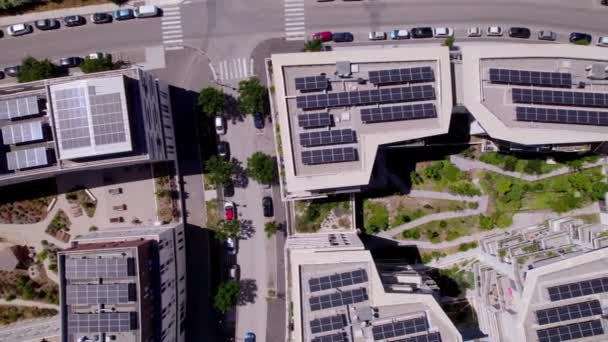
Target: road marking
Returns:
[171, 28]
[294, 23]
[213, 71]
[233, 69]
[174, 41]
[295, 19]
[299, 33]
[299, 9]
[177, 30]
[293, 5]
[167, 48]
[172, 22]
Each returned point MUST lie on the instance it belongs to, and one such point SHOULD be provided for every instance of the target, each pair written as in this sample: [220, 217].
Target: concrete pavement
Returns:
[32, 330]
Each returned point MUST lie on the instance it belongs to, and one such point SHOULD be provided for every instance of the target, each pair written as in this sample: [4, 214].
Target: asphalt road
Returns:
[31, 330]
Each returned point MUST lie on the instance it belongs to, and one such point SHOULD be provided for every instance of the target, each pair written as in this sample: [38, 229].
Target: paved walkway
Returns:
[30, 303]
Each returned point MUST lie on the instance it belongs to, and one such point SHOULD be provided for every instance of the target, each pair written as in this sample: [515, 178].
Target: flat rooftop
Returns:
[336, 108]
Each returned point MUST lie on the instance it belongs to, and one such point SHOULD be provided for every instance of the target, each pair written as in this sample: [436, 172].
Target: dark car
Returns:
[422, 32]
[1, 75]
[342, 37]
[580, 38]
[124, 14]
[74, 20]
[258, 120]
[519, 32]
[70, 62]
[267, 206]
[12, 70]
[47, 24]
[223, 150]
[101, 18]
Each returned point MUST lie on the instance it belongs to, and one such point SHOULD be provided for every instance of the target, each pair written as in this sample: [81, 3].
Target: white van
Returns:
[146, 11]
[220, 128]
[19, 29]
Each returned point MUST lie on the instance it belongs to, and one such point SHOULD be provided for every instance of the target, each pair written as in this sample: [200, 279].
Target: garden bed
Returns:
[213, 213]
[167, 193]
[80, 197]
[17, 284]
[443, 230]
[60, 223]
[443, 176]
[333, 213]
[11, 314]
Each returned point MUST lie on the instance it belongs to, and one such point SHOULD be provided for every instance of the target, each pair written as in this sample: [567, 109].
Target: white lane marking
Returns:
[174, 48]
[174, 41]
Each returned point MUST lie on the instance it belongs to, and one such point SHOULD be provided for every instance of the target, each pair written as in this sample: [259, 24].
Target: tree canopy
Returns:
[91, 65]
[313, 45]
[252, 96]
[260, 167]
[227, 295]
[211, 101]
[34, 70]
[219, 170]
[14, 4]
[271, 228]
[227, 229]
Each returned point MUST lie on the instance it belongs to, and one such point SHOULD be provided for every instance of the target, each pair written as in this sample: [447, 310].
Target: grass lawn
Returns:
[311, 214]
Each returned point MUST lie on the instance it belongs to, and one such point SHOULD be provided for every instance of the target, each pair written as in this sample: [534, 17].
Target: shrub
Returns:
[103, 63]
[485, 222]
[473, 205]
[34, 70]
[504, 220]
[464, 188]
[211, 101]
[411, 234]
[466, 246]
[227, 295]
[443, 224]
[376, 217]
[534, 166]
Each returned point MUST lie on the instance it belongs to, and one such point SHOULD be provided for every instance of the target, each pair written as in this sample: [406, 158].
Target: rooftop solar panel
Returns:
[432, 337]
[331, 155]
[324, 138]
[337, 299]
[536, 78]
[328, 323]
[313, 120]
[19, 107]
[570, 331]
[99, 294]
[568, 312]
[558, 97]
[91, 268]
[395, 113]
[25, 159]
[399, 328]
[20, 133]
[98, 323]
[337, 337]
[562, 116]
[337, 280]
[311, 83]
[406, 75]
[578, 289]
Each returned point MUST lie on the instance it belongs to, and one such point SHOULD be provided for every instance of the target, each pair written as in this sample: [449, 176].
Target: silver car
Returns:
[547, 35]
[19, 29]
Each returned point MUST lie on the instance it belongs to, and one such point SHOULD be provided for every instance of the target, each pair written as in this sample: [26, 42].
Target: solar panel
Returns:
[399, 328]
[26, 132]
[98, 294]
[393, 76]
[99, 268]
[568, 312]
[366, 97]
[313, 120]
[337, 337]
[97, 323]
[107, 118]
[337, 280]
[578, 289]
[562, 116]
[536, 78]
[558, 97]
[329, 323]
[19, 107]
[25, 159]
[311, 83]
[337, 299]
[72, 119]
[570, 331]
[432, 337]
[395, 113]
[331, 155]
[324, 138]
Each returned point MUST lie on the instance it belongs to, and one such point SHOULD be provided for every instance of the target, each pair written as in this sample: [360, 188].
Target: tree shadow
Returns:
[232, 112]
[239, 174]
[247, 229]
[249, 291]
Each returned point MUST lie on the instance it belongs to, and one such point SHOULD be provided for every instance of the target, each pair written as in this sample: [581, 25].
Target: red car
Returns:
[324, 36]
[229, 211]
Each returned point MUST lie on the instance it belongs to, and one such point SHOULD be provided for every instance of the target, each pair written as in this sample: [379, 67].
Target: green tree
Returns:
[449, 42]
[485, 222]
[227, 229]
[14, 4]
[252, 96]
[411, 234]
[313, 45]
[271, 228]
[219, 170]
[211, 101]
[227, 295]
[34, 70]
[261, 167]
[376, 217]
[534, 167]
[102, 63]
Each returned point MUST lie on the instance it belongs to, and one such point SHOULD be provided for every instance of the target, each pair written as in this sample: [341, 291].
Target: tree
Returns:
[211, 101]
[13, 4]
[227, 295]
[34, 70]
[227, 229]
[313, 45]
[271, 228]
[252, 95]
[449, 42]
[101, 63]
[219, 170]
[260, 167]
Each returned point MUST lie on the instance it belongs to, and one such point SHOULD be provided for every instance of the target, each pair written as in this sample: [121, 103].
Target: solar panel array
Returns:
[25, 159]
[337, 299]
[97, 268]
[311, 83]
[366, 97]
[570, 331]
[337, 337]
[337, 280]
[329, 323]
[313, 120]
[432, 337]
[97, 323]
[535, 78]
[558, 97]
[331, 155]
[399, 328]
[395, 113]
[568, 312]
[20, 133]
[563, 116]
[71, 117]
[107, 118]
[578, 289]
[19, 107]
[409, 75]
[324, 138]
[97, 294]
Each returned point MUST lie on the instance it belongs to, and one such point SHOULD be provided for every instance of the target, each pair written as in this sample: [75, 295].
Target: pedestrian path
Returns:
[173, 36]
[295, 20]
[233, 69]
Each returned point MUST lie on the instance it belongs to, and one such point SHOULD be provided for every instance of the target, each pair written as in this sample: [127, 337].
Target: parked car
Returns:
[70, 62]
[223, 149]
[495, 31]
[474, 31]
[19, 29]
[229, 211]
[146, 11]
[602, 41]
[399, 34]
[580, 38]
[267, 206]
[234, 272]
[519, 32]
[258, 120]
[101, 18]
[220, 126]
[547, 35]
[249, 337]
[47, 24]
[74, 20]
[324, 36]
[377, 35]
[1, 75]
[123, 14]
[343, 37]
[12, 71]
[115, 191]
[422, 32]
[231, 245]
[443, 32]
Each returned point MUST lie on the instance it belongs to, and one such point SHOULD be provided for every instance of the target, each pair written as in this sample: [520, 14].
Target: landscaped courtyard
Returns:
[326, 214]
[443, 176]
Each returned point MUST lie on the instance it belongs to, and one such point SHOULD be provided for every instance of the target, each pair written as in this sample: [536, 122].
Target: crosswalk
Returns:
[295, 20]
[233, 69]
[173, 36]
